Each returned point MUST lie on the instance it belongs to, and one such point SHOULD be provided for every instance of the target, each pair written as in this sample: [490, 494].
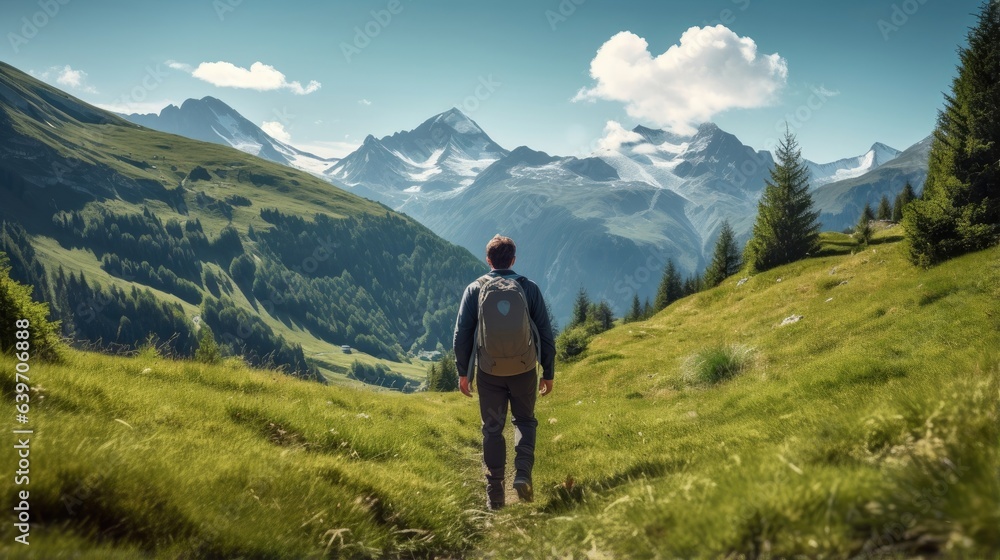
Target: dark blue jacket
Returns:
[468, 319]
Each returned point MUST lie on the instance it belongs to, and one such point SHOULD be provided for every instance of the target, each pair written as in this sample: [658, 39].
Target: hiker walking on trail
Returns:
[502, 334]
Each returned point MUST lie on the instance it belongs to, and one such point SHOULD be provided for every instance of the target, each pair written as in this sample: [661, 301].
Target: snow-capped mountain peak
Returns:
[444, 153]
[883, 154]
[848, 168]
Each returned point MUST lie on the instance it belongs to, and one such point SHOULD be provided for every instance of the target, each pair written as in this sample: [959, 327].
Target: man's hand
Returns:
[463, 385]
[545, 387]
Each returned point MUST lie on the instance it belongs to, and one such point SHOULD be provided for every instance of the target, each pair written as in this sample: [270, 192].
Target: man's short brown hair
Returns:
[500, 251]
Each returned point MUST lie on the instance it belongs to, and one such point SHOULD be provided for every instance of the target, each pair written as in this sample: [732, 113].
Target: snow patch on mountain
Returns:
[460, 122]
[468, 167]
[424, 175]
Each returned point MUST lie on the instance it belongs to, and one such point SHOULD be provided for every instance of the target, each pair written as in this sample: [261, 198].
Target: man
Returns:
[503, 326]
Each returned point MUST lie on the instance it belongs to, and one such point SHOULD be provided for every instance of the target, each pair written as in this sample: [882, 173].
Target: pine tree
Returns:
[867, 213]
[884, 212]
[580, 308]
[959, 210]
[647, 309]
[726, 260]
[670, 289]
[692, 285]
[552, 319]
[786, 228]
[602, 315]
[905, 197]
[208, 350]
[433, 379]
[447, 374]
[863, 229]
[635, 312]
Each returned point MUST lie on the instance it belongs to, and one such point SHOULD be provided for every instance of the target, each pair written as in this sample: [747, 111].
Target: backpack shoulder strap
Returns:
[482, 281]
[520, 280]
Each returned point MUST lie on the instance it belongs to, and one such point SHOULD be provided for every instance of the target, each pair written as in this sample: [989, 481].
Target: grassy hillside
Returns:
[146, 455]
[99, 196]
[871, 426]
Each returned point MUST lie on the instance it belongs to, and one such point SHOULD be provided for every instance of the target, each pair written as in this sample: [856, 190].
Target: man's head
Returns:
[500, 252]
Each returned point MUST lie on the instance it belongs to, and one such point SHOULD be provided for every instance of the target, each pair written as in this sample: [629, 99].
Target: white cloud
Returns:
[712, 69]
[180, 66]
[66, 77]
[821, 90]
[277, 131]
[75, 79]
[260, 76]
[615, 135]
[329, 149]
[364, 102]
[645, 148]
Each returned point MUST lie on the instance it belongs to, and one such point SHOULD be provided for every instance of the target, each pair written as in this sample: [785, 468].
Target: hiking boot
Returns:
[522, 485]
[495, 495]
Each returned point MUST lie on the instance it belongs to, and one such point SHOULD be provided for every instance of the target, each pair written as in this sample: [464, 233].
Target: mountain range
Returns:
[626, 211]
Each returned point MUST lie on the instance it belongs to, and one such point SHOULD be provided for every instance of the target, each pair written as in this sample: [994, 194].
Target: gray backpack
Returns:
[506, 340]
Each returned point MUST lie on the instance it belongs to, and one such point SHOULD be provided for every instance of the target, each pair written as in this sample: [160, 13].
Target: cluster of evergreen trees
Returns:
[589, 319]
[863, 231]
[161, 278]
[365, 281]
[379, 374]
[141, 248]
[959, 209]
[118, 320]
[442, 376]
[137, 238]
[110, 319]
[726, 261]
[242, 333]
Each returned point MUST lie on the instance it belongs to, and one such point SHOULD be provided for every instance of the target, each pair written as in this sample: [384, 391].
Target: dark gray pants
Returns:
[495, 394]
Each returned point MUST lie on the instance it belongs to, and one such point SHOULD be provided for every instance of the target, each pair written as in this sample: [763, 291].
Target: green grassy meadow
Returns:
[868, 428]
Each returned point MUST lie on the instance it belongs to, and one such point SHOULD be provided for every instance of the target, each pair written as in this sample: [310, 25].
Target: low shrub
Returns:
[717, 364]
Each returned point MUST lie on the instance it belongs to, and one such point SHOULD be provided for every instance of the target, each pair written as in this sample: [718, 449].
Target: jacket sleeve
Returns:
[465, 329]
[540, 315]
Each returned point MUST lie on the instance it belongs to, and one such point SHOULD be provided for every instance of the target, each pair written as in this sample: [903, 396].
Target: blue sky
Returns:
[513, 66]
